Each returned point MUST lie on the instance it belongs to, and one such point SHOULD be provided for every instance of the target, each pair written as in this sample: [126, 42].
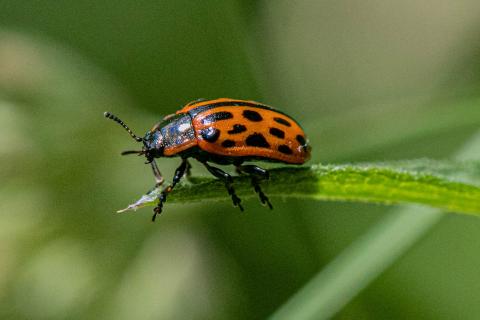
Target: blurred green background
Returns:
[369, 80]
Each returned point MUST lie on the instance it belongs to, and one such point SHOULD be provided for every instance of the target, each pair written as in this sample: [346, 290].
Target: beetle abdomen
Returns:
[237, 128]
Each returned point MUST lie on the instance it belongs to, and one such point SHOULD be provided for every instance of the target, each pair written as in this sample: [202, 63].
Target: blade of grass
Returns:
[357, 266]
[447, 185]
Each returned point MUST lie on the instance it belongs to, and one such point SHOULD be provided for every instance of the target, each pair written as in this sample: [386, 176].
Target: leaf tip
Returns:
[130, 207]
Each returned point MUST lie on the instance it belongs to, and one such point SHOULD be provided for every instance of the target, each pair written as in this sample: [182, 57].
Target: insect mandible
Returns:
[225, 132]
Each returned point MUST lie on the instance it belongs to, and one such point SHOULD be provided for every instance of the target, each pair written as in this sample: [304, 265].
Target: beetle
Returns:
[223, 131]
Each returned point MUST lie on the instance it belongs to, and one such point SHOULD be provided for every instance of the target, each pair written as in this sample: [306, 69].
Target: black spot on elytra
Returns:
[237, 128]
[257, 140]
[210, 134]
[301, 140]
[217, 116]
[252, 115]
[228, 143]
[277, 133]
[284, 149]
[282, 121]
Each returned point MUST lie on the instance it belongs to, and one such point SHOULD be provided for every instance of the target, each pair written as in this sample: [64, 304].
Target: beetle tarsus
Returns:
[235, 199]
[157, 210]
[263, 198]
[257, 174]
[228, 180]
[162, 198]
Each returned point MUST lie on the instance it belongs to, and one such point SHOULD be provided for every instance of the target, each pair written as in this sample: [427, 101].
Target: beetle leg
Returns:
[156, 172]
[228, 180]
[257, 174]
[162, 198]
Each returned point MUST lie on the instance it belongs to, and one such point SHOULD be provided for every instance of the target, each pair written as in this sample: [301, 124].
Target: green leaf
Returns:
[454, 186]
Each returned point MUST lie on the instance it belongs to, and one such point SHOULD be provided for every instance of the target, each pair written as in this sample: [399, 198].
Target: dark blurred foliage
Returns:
[369, 81]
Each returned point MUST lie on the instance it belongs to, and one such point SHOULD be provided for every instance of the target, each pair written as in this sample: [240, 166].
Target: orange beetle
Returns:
[223, 131]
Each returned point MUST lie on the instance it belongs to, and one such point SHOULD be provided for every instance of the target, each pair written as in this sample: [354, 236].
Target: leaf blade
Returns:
[449, 185]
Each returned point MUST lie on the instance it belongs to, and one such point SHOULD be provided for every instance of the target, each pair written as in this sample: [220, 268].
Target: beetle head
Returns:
[153, 145]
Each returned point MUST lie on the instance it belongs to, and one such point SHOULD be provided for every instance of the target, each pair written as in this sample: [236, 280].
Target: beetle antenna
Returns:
[116, 119]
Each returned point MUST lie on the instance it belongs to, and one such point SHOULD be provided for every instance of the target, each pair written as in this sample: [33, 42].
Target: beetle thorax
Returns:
[170, 137]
